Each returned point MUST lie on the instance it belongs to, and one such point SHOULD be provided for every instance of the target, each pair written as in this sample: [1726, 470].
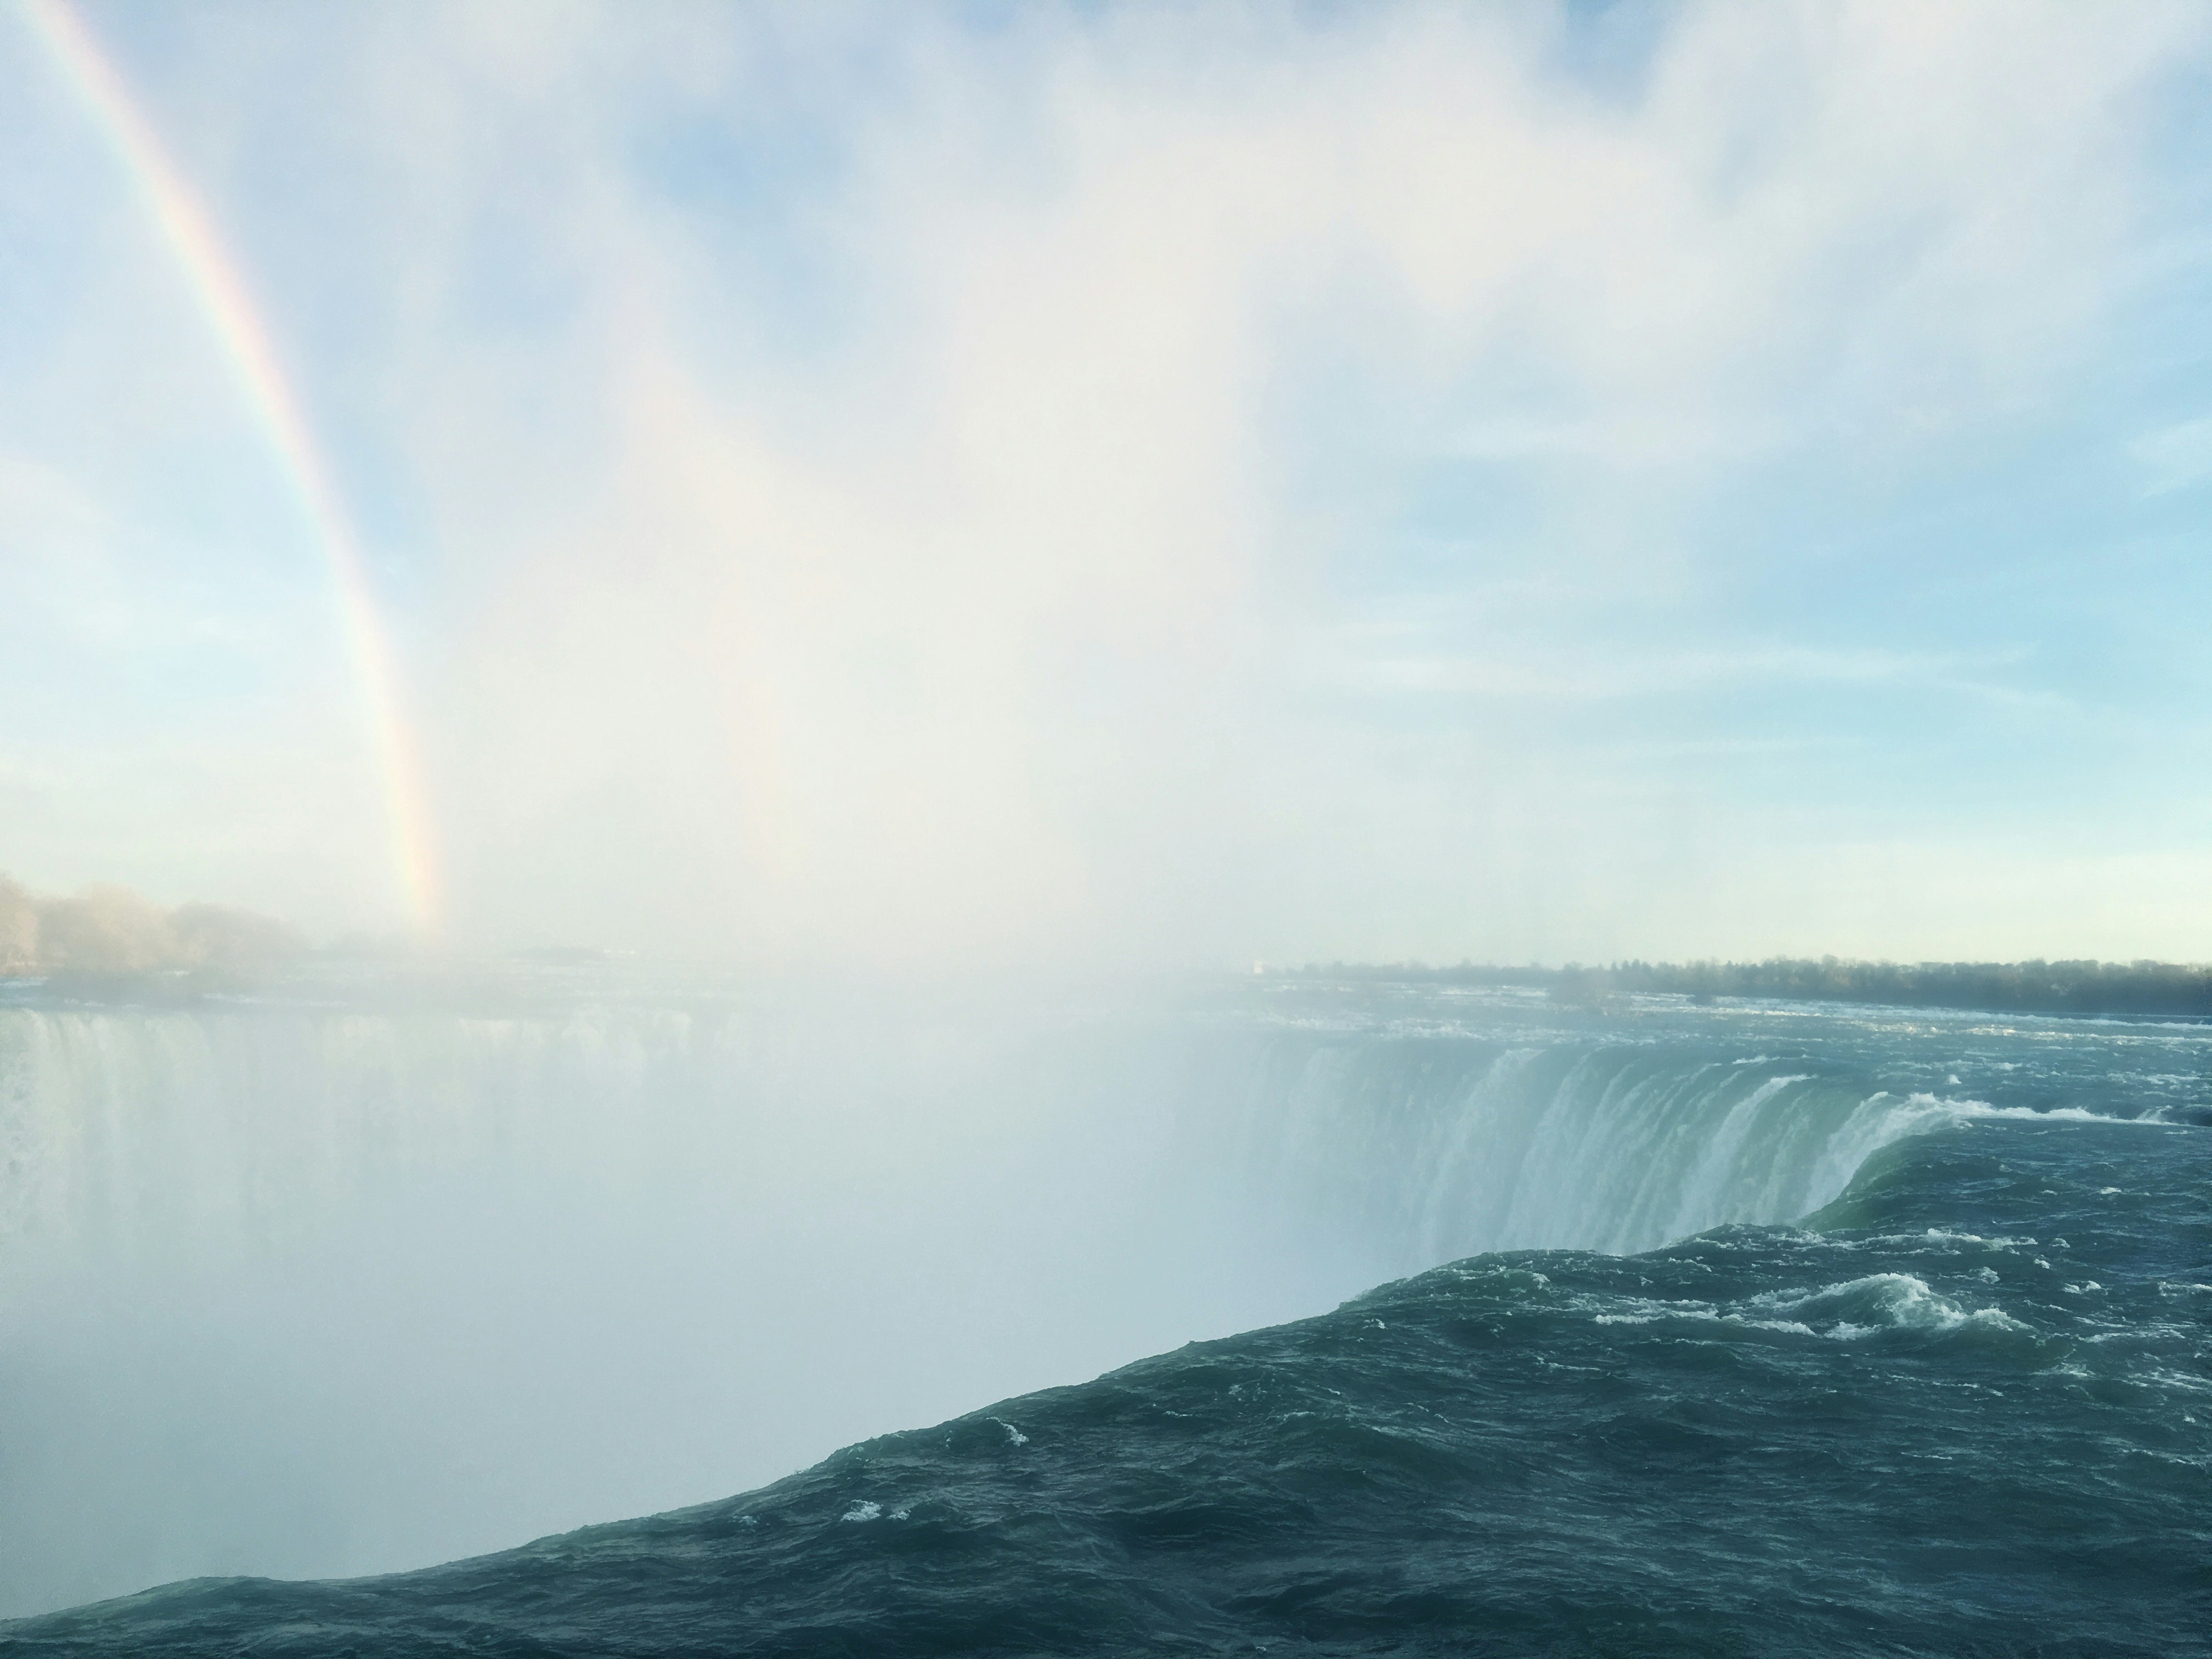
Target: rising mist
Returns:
[826, 578]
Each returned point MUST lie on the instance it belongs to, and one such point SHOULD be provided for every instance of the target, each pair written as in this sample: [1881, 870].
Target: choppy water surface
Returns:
[1747, 1329]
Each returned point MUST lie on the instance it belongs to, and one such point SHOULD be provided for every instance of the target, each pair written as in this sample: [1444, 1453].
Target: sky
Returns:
[1123, 484]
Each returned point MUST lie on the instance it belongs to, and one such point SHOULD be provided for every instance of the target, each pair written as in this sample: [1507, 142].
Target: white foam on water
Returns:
[1950, 1236]
[1860, 1308]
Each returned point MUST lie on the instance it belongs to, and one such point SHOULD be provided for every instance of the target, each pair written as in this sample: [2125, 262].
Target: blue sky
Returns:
[1139, 483]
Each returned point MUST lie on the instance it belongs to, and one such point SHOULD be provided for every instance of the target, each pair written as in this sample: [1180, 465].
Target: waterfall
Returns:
[1426, 1149]
[310, 1287]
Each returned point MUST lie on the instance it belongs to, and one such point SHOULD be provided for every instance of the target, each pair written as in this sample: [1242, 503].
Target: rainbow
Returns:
[226, 303]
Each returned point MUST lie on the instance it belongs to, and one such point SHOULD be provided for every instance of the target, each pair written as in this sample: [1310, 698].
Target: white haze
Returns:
[868, 484]
[875, 497]
[1014, 620]
[307, 1293]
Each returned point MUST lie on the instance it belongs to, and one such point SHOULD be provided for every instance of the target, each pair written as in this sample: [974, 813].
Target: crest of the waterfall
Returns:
[1417, 1149]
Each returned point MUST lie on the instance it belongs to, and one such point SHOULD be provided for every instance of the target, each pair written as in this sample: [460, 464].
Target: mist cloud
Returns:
[1173, 485]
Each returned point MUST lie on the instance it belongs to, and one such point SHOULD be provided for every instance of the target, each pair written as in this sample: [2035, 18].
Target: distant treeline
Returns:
[109, 930]
[2053, 987]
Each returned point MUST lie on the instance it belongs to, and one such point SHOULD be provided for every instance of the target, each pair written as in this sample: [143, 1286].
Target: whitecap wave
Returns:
[1859, 1307]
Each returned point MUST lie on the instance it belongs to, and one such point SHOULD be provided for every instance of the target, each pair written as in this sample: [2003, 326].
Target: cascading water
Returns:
[308, 1289]
[311, 1285]
[124, 1133]
[1426, 1149]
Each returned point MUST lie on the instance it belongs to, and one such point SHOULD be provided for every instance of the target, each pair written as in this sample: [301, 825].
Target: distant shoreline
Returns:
[2081, 988]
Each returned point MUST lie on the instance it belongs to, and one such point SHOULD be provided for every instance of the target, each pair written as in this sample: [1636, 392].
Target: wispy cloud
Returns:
[2178, 457]
[1586, 674]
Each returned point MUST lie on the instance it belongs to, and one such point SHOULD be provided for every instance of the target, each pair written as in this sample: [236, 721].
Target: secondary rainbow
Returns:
[227, 302]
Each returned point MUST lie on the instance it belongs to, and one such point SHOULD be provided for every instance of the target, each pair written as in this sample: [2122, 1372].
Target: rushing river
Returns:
[1753, 1328]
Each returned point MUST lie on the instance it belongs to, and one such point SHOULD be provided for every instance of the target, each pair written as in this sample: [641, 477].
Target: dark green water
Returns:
[1964, 1407]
